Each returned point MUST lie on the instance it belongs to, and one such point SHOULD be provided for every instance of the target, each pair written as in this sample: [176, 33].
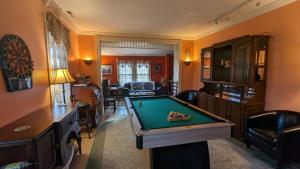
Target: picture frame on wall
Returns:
[107, 69]
[157, 68]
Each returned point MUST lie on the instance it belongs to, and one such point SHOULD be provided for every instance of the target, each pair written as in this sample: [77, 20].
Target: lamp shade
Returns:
[187, 57]
[61, 76]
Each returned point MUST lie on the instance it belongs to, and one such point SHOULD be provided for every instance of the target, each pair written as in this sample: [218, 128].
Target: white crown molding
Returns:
[267, 8]
[57, 11]
[129, 35]
[138, 39]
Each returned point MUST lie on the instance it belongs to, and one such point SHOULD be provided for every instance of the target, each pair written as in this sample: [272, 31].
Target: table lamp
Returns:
[62, 76]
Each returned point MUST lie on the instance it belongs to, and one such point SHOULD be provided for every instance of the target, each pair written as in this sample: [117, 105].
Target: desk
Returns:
[175, 145]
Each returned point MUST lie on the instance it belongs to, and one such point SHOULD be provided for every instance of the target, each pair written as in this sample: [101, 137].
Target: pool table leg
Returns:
[191, 156]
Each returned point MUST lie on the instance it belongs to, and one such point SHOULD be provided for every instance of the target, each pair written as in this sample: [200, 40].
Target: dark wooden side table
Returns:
[84, 110]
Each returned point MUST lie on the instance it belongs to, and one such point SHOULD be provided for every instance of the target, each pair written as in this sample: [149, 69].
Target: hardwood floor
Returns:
[80, 161]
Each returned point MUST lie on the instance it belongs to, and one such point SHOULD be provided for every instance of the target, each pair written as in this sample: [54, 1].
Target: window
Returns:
[142, 72]
[128, 72]
[58, 54]
[58, 42]
[58, 59]
[125, 73]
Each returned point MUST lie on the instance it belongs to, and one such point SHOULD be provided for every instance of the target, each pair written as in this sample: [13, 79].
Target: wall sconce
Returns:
[88, 61]
[187, 60]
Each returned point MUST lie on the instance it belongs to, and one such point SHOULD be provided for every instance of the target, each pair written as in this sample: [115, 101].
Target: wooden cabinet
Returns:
[211, 104]
[233, 111]
[41, 151]
[44, 144]
[236, 116]
[223, 108]
[202, 101]
[207, 102]
[66, 129]
[234, 77]
[235, 61]
[46, 150]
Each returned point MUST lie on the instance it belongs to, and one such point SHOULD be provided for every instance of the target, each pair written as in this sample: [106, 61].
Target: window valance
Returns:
[58, 31]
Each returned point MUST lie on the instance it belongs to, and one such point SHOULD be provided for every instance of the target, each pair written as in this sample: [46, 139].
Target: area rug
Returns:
[114, 148]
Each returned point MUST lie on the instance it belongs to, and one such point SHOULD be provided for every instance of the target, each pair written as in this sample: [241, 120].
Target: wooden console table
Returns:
[44, 144]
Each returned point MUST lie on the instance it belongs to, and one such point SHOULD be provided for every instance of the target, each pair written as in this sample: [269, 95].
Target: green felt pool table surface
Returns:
[154, 111]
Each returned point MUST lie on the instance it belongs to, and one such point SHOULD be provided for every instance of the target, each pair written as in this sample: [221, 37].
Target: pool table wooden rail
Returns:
[178, 135]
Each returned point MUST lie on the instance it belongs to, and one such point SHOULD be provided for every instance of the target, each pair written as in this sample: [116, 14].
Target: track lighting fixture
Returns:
[225, 15]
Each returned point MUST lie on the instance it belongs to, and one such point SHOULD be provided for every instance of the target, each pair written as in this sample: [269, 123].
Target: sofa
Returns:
[151, 86]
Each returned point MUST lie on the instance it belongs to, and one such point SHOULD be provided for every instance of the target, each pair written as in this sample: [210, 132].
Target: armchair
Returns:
[190, 96]
[276, 132]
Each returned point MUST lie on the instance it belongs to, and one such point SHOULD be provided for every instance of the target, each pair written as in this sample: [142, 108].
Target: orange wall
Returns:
[187, 71]
[73, 57]
[88, 49]
[25, 19]
[113, 60]
[283, 81]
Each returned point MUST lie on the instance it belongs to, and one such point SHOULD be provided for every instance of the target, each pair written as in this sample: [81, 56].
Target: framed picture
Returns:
[157, 68]
[106, 69]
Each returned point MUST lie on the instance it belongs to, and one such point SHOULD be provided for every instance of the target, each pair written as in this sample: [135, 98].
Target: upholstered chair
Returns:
[275, 132]
[190, 96]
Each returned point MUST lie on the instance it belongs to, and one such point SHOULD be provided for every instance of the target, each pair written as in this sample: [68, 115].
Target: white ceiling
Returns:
[179, 19]
[134, 52]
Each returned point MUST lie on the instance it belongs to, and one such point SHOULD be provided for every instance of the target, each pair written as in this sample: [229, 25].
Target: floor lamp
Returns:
[62, 76]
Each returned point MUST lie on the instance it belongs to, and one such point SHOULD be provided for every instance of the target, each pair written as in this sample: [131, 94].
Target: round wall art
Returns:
[16, 63]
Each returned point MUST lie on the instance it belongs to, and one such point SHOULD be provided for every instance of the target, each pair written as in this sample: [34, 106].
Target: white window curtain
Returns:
[125, 71]
[58, 54]
[58, 59]
[129, 71]
[142, 72]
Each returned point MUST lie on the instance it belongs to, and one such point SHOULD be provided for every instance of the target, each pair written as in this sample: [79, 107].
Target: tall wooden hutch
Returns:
[234, 77]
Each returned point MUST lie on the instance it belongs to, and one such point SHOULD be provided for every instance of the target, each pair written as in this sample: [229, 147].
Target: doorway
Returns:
[160, 58]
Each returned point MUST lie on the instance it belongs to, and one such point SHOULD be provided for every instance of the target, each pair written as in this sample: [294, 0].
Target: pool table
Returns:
[174, 145]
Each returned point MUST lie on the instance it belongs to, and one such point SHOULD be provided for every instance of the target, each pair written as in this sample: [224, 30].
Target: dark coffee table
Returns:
[137, 94]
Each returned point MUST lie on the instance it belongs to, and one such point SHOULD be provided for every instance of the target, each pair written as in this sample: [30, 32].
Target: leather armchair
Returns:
[190, 96]
[275, 132]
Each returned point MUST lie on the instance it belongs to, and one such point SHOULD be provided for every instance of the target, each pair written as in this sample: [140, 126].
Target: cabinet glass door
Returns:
[260, 65]
[222, 63]
[260, 57]
[206, 66]
[241, 63]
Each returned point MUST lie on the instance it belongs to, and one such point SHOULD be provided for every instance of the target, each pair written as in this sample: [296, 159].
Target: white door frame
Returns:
[132, 42]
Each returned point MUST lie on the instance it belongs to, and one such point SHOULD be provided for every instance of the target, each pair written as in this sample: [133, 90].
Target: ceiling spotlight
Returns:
[258, 3]
[69, 12]
[216, 22]
[227, 18]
